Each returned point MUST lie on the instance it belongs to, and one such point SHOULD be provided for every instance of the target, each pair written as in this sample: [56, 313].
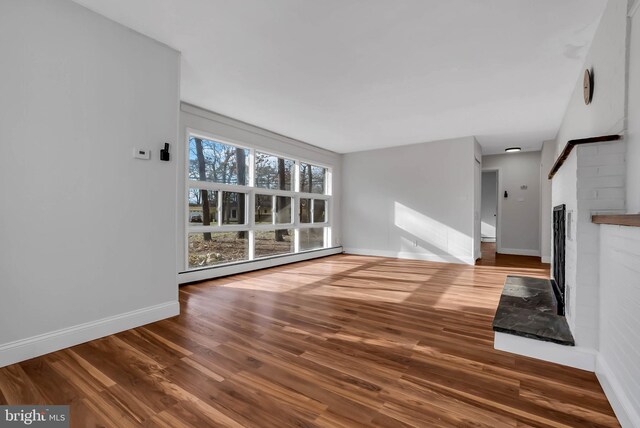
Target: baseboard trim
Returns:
[411, 256]
[623, 408]
[519, 252]
[545, 259]
[31, 347]
[236, 268]
[487, 239]
[572, 356]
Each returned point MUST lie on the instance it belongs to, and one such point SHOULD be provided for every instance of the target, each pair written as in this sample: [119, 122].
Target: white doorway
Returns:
[489, 206]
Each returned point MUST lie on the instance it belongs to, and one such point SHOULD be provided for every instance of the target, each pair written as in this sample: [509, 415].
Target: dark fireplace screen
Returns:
[559, 242]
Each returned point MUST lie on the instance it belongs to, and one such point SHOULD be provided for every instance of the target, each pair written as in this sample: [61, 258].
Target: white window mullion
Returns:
[296, 211]
[252, 244]
[296, 216]
[219, 209]
[296, 176]
[252, 168]
[251, 208]
[311, 203]
[273, 209]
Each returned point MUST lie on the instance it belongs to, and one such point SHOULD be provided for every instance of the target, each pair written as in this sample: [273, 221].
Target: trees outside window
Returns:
[243, 204]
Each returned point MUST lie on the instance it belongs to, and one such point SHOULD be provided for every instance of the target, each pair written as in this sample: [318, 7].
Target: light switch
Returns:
[144, 154]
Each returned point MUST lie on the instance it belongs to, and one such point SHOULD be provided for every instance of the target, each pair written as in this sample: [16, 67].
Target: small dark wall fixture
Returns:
[559, 244]
[506, 194]
[164, 153]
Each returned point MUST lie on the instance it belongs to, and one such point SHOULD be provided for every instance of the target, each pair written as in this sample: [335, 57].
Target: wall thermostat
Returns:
[144, 154]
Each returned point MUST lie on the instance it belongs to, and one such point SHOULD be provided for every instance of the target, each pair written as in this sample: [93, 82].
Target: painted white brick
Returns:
[601, 160]
[590, 300]
[610, 170]
[589, 322]
[600, 186]
[587, 194]
[590, 240]
[586, 337]
[590, 150]
[591, 171]
[611, 193]
[604, 204]
[599, 182]
[605, 212]
[588, 274]
[619, 305]
[615, 147]
[610, 148]
[601, 171]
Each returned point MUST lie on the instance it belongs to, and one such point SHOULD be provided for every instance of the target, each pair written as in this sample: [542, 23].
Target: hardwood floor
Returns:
[344, 341]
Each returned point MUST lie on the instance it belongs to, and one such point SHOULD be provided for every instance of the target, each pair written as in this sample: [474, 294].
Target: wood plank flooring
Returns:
[344, 341]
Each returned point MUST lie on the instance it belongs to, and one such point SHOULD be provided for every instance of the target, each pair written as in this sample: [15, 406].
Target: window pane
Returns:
[203, 207]
[233, 208]
[283, 209]
[312, 178]
[273, 172]
[311, 239]
[319, 211]
[264, 209]
[273, 242]
[208, 249]
[217, 162]
[305, 210]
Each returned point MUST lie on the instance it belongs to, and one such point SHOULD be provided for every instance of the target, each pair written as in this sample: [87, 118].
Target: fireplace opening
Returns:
[559, 243]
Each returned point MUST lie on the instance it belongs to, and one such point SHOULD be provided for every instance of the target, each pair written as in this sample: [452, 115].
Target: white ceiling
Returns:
[351, 75]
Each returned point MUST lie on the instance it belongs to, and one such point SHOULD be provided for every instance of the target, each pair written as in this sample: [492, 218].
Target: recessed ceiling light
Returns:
[512, 149]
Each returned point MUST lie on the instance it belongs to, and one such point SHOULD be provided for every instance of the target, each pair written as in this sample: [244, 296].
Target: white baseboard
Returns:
[232, 269]
[35, 346]
[519, 252]
[487, 239]
[445, 258]
[572, 356]
[625, 412]
[545, 259]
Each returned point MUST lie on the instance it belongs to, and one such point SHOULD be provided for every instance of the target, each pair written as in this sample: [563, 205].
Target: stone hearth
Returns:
[528, 308]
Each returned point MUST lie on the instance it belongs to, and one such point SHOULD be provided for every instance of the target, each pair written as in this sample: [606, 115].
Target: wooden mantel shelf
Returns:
[572, 143]
[617, 219]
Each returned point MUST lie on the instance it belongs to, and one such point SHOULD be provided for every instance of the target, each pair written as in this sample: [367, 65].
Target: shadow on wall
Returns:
[433, 237]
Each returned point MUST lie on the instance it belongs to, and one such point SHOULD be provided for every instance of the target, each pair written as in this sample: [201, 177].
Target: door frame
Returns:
[498, 208]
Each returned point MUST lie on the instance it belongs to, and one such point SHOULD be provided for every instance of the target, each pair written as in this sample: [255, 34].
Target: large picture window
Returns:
[245, 204]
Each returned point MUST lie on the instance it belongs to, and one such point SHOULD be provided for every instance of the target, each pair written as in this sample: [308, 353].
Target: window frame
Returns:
[251, 190]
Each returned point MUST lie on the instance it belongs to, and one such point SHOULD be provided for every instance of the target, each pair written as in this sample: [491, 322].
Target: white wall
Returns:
[633, 113]
[603, 279]
[414, 201]
[619, 257]
[605, 115]
[547, 159]
[88, 244]
[620, 319]
[234, 131]
[489, 204]
[477, 201]
[519, 216]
